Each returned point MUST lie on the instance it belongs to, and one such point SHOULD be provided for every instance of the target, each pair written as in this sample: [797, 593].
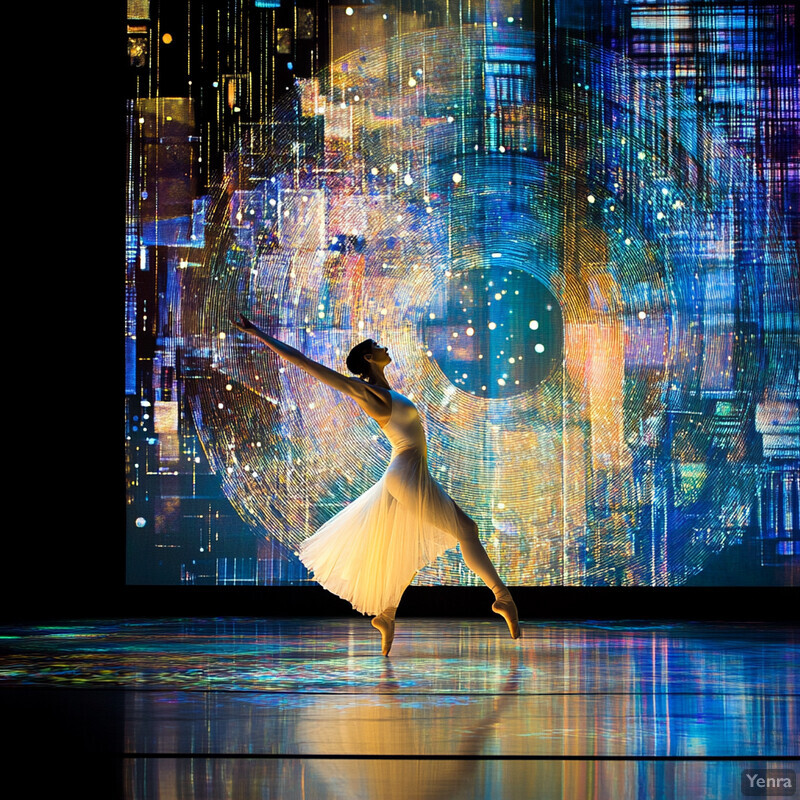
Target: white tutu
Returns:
[370, 551]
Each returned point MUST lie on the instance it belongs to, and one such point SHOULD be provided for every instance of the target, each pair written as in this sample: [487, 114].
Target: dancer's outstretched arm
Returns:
[372, 400]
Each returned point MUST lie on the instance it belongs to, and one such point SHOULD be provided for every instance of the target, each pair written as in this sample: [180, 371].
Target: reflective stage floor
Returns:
[308, 708]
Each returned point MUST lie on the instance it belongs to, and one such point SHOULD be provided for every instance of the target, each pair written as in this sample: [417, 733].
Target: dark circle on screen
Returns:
[495, 331]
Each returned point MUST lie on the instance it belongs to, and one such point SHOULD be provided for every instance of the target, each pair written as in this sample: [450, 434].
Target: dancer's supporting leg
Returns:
[477, 559]
[384, 622]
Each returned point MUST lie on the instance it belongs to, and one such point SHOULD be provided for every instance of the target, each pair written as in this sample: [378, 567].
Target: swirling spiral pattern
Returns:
[624, 458]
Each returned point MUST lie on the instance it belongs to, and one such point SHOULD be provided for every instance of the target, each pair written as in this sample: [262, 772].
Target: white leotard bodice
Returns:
[404, 429]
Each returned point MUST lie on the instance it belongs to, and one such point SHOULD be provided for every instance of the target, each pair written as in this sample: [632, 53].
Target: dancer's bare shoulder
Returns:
[375, 401]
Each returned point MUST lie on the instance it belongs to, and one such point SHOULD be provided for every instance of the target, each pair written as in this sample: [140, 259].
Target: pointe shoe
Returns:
[507, 609]
[386, 627]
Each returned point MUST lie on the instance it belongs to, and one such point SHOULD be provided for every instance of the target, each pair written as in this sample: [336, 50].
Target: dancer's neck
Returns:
[379, 379]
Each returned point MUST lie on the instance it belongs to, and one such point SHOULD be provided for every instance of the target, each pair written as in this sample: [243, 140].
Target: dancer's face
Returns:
[380, 355]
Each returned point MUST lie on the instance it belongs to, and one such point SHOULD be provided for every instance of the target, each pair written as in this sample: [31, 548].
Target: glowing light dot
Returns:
[412, 82]
[457, 177]
[222, 335]
[449, 348]
[470, 331]
[660, 215]
[464, 375]
[533, 325]
[642, 314]
[393, 166]
[498, 296]
[450, 119]
[141, 120]
[349, 11]
[167, 38]
[501, 149]
[229, 387]
[429, 209]
[501, 506]
[549, 307]
[140, 522]
[539, 348]
[432, 315]
[641, 156]
[361, 325]
[356, 98]
[220, 405]
[501, 382]
[591, 198]
[374, 170]
[408, 180]
[497, 255]
[492, 326]
[455, 334]
[273, 202]
[510, 20]
[512, 360]
[627, 241]
[665, 192]
[321, 314]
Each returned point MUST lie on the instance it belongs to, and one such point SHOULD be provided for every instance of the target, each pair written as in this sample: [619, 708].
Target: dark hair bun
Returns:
[356, 362]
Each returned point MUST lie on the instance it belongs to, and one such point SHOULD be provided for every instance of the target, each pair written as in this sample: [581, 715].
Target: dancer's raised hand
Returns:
[243, 324]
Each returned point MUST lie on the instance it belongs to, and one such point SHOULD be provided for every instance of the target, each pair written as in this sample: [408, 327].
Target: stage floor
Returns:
[308, 708]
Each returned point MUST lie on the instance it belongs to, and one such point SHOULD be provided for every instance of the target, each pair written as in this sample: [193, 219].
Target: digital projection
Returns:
[585, 287]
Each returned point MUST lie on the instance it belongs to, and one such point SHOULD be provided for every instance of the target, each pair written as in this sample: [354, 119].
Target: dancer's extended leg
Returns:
[384, 622]
[477, 559]
[434, 505]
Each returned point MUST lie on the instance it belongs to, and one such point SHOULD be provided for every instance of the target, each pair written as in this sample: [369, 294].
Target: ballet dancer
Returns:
[370, 551]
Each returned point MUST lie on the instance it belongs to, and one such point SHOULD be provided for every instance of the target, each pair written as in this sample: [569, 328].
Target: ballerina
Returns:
[370, 551]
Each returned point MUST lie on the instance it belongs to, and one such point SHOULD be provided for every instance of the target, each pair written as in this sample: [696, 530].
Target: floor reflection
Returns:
[361, 779]
[308, 708]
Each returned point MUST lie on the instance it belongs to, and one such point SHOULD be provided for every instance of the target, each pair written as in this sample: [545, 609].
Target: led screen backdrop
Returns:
[575, 228]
